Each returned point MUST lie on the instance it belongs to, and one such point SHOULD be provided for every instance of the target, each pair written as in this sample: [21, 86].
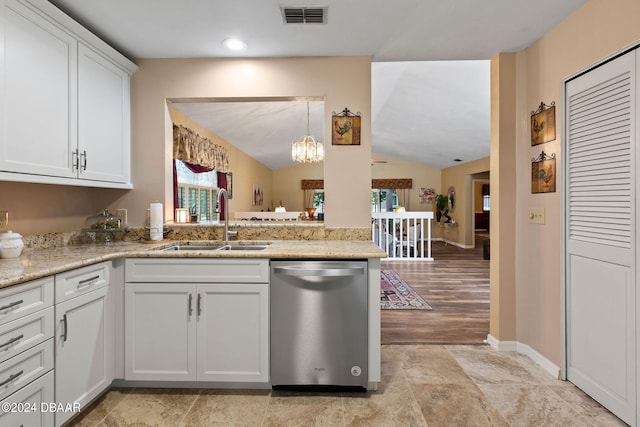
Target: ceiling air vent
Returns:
[304, 15]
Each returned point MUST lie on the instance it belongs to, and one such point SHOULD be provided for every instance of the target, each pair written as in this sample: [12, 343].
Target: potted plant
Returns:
[441, 205]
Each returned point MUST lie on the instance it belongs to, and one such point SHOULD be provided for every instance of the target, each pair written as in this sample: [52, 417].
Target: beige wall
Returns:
[502, 317]
[247, 171]
[287, 186]
[346, 170]
[597, 30]
[39, 208]
[461, 178]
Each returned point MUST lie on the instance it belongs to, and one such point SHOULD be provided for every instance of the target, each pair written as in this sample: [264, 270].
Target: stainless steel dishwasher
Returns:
[319, 332]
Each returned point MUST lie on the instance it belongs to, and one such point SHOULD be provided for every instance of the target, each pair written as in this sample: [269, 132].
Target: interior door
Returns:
[600, 121]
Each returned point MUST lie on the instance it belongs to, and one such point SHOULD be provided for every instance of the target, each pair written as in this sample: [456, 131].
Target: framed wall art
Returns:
[427, 195]
[543, 124]
[543, 173]
[345, 128]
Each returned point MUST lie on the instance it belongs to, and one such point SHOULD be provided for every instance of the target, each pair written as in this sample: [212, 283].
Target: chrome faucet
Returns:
[223, 194]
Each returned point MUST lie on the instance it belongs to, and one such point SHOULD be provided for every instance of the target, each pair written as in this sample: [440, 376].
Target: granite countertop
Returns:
[37, 263]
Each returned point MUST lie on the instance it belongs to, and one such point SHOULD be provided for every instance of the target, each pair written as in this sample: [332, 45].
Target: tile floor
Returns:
[422, 385]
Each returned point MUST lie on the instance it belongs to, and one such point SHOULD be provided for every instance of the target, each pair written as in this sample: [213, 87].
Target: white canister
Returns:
[11, 245]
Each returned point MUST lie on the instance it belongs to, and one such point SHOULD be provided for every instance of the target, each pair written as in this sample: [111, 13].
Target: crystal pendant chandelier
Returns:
[307, 150]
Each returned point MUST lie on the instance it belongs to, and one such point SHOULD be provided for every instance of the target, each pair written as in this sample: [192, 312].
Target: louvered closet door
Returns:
[600, 109]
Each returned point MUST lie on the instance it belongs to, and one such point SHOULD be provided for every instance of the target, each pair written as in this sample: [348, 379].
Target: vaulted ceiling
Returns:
[430, 71]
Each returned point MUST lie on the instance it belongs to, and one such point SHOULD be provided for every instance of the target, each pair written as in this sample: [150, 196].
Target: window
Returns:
[197, 192]
[486, 203]
[383, 200]
[318, 201]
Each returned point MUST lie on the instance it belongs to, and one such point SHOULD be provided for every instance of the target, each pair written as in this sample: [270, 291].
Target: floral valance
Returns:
[392, 183]
[312, 184]
[190, 147]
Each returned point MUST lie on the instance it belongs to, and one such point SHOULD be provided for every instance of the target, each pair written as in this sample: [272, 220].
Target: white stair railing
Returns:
[402, 234]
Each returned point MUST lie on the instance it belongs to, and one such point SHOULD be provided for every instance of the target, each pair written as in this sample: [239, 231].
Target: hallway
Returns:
[456, 285]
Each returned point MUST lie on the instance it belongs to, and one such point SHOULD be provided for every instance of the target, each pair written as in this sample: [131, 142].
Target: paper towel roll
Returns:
[155, 221]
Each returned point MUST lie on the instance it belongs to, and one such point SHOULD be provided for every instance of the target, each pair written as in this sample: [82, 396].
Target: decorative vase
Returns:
[311, 211]
[438, 216]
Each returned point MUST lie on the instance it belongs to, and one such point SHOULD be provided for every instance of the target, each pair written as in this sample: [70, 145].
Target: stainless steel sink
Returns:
[243, 247]
[231, 247]
[193, 248]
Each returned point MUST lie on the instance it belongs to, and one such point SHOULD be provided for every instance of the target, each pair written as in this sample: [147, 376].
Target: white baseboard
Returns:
[527, 350]
[452, 243]
[501, 345]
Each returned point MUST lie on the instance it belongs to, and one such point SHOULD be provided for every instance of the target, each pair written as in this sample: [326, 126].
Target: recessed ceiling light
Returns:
[234, 44]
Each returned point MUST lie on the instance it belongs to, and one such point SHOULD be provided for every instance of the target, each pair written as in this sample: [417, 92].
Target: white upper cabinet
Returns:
[103, 118]
[38, 95]
[65, 105]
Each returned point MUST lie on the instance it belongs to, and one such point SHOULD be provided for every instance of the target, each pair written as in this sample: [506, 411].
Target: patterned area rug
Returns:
[396, 294]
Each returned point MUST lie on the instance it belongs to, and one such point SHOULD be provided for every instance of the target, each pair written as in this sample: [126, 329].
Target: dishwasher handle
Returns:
[319, 272]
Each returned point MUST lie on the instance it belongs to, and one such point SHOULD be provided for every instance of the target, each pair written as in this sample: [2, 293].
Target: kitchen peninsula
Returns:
[88, 302]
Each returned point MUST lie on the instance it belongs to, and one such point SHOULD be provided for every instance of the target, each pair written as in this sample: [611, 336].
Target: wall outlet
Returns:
[4, 221]
[536, 215]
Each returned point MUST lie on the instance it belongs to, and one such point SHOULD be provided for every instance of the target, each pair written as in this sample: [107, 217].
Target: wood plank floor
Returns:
[456, 285]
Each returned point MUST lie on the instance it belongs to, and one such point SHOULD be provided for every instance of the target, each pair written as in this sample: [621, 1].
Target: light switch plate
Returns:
[536, 215]
[4, 221]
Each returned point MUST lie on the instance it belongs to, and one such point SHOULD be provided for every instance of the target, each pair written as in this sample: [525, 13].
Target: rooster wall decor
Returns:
[345, 128]
[543, 124]
[543, 173]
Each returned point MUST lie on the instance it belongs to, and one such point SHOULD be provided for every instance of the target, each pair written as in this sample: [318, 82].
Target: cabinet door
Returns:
[160, 337]
[233, 332]
[103, 118]
[84, 362]
[37, 94]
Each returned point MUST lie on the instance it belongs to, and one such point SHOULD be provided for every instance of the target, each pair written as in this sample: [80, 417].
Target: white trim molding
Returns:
[527, 350]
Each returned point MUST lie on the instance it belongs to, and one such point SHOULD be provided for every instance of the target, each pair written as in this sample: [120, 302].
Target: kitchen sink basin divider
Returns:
[402, 234]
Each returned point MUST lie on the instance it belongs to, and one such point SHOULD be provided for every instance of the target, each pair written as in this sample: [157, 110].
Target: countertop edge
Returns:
[280, 249]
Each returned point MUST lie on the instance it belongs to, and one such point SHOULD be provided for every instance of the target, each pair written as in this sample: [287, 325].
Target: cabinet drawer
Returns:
[25, 367]
[26, 298]
[25, 404]
[197, 270]
[81, 280]
[21, 334]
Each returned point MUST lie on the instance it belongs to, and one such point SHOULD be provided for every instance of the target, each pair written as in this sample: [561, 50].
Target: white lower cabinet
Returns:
[30, 406]
[26, 353]
[194, 331]
[205, 332]
[160, 335]
[84, 339]
[233, 332]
